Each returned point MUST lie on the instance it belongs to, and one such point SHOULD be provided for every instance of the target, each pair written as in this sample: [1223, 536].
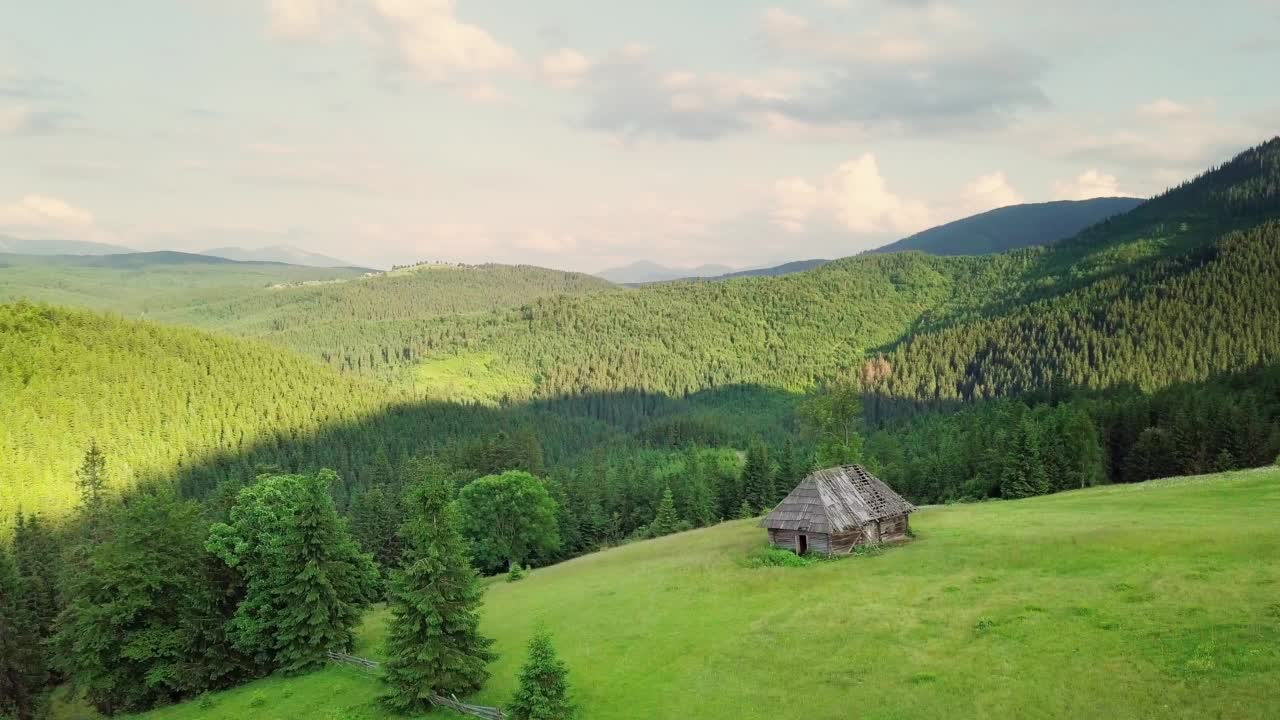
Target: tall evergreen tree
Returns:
[375, 524]
[306, 580]
[91, 479]
[22, 662]
[544, 686]
[788, 474]
[700, 505]
[36, 553]
[1024, 471]
[757, 477]
[142, 626]
[666, 521]
[433, 643]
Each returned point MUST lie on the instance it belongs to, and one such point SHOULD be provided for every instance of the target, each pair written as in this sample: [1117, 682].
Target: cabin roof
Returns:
[836, 500]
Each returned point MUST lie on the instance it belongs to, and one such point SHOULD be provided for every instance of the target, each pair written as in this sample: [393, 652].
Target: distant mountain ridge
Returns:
[278, 253]
[645, 271]
[1013, 227]
[20, 246]
[990, 232]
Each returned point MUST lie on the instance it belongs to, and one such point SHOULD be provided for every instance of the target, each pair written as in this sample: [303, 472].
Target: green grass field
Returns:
[1159, 600]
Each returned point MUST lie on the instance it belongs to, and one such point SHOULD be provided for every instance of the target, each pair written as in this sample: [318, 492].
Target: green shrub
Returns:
[777, 557]
[517, 572]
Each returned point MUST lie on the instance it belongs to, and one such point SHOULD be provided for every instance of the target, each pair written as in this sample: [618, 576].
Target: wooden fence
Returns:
[480, 711]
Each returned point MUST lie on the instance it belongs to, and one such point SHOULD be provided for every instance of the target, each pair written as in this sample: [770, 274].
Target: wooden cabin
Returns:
[834, 510]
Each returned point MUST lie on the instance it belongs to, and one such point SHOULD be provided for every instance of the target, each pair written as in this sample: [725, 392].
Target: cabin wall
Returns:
[891, 529]
[786, 539]
[844, 542]
[894, 528]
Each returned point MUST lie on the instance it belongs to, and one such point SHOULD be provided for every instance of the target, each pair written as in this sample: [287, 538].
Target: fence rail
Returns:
[481, 711]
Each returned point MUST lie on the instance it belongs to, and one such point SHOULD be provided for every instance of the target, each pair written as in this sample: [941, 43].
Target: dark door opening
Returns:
[802, 544]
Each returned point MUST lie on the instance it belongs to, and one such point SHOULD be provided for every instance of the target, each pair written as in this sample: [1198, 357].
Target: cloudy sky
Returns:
[588, 133]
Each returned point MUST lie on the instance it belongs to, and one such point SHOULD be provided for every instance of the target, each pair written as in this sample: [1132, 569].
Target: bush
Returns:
[517, 572]
[777, 557]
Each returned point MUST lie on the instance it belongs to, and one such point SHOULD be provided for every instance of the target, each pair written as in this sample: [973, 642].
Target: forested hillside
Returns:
[1016, 226]
[262, 298]
[141, 284]
[153, 398]
[327, 313]
[1194, 268]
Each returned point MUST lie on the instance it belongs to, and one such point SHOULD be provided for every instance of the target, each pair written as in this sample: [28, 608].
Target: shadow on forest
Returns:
[566, 428]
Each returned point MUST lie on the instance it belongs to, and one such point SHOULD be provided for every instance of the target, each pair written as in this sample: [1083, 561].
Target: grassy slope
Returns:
[1159, 600]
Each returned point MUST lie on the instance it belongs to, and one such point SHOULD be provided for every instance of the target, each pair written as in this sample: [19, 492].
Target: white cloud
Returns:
[430, 38]
[13, 119]
[299, 18]
[1164, 108]
[565, 67]
[987, 193]
[41, 214]
[425, 37]
[1089, 184]
[855, 196]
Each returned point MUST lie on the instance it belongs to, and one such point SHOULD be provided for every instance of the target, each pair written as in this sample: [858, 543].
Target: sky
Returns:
[586, 134]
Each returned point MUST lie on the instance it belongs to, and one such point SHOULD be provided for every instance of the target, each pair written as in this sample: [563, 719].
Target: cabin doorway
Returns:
[802, 544]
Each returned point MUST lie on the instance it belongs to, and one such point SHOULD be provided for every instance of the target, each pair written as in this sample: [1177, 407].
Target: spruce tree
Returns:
[757, 478]
[91, 479]
[1024, 472]
[544, 688]
[142, 623]
[788, 473]
[306, 581]
[22, 663]
[375, 524]
[745, 512]
[666, 521]
[433, 643]
[700, 505]
[35, 551]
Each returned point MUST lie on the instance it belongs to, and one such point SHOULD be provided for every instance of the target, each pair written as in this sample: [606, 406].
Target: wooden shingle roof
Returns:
[836, 500]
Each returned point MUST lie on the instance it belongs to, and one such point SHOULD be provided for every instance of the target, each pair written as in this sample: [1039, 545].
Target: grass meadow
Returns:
[1159, 600]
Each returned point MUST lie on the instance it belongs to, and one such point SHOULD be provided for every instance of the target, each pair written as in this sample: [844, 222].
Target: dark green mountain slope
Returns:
[1012, 227]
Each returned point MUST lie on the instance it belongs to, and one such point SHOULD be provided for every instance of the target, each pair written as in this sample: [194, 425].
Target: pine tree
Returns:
[91, 479]
[745, 512]
[433, 643]
[306, 581]
[375, 524]
[142, 623]
[544, 688]
[22, 663]
[1024, 471]
[788, 473]
[757, 477]
[700, 505]
[666, 521]
[35, 550]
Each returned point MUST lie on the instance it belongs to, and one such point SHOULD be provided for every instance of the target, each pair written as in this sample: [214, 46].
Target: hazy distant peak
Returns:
[277, 253]
[645, 271]
[58, 247]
